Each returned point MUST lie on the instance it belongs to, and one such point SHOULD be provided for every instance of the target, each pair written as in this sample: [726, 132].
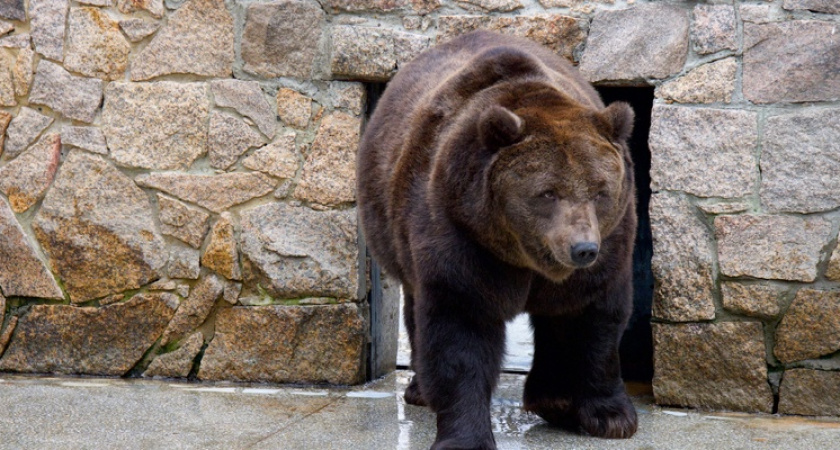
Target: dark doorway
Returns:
[637, 343]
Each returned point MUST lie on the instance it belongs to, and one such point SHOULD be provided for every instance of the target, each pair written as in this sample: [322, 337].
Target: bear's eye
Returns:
[550, 195]
[603, 195]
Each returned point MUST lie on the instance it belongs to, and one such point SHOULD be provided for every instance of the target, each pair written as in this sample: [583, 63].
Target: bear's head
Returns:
[559, 177]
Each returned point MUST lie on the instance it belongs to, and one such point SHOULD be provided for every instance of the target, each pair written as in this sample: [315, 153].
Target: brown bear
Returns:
[491, 181]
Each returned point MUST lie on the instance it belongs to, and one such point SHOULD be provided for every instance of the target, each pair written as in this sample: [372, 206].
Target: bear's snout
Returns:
[584, 253]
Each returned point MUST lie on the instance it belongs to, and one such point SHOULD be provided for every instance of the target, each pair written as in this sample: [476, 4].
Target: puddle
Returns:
[258, 391]
[210, 389]
[369, 394]
[82, 384]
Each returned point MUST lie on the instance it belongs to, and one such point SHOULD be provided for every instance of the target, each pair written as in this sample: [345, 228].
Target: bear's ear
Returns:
[499, 127]
[620, 117]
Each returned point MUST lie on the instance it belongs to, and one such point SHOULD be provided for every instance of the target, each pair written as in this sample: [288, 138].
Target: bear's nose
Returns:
[583, 253]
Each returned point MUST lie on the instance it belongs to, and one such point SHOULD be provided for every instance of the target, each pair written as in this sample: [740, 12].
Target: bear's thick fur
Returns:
[492, 180]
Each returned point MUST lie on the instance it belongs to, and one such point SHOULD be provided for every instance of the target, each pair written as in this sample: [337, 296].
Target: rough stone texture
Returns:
[714, 206]
[247, 98]
[22, 71]
[75, 97]
[5, 27]
[5, 119]
[714, 29]
[709, 83]
[159, 125]
[97, 229]
[833, 270]
[682, 261]
[366, 5]
[810, 327]
[347, 95]
[228, 139]
[95, 46]
[371, 53]
[490, 5]
[759, 13]
[293, 108]
[154, 7]
[179, 363]
[278, 159]
[48, 22]
[705, 152]
[753, 300]
[87, 138]
[823, 6]
[295, 252]
[280, 38]
[799, 162]
[329, 170]
[232, 291]
[646, 41]
[22, 274]
[287, 344]
[197, 39]
[25, 179]
[711, 366]
[563, 34]
[182, 222]
[7, 85]
[774, 247]
[194, 310]
[810, 393]
[184, 263]
[24, 129]
[214, 192]
[6, 336]
[221, 254]
[772, 50]
[96, 2]
[96, 341]
[16, 41]
[2, 318]
[12, 9]
[138, 29]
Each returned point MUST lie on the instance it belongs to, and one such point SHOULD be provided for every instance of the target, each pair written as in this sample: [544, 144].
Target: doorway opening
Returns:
[636, 346]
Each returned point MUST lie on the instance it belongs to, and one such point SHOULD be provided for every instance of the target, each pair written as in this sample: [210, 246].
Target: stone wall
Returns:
[177, 182]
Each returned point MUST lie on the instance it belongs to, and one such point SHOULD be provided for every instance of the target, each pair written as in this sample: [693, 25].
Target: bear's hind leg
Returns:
[412, 394]
[575, 381]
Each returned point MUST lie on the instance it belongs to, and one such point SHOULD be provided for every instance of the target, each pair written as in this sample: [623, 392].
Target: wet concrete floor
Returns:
[89, 413]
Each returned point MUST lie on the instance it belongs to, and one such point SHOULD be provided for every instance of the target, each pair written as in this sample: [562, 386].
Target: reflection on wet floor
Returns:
[72, 413]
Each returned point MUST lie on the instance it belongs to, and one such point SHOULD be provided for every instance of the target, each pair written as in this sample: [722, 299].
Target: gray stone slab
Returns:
[280, 37]
[644, 41]
[295, 252]
[772, 49]
[214, 192]
[719, 365]
[197, 39]
[73, 96]
[48, 21]
[799, 164]
[22, 273]
[160, 125]
[770, 246]
[97, 229]
[703, 151]
[24, 130]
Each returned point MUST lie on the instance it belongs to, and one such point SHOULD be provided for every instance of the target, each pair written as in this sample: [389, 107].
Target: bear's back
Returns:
[420, 103]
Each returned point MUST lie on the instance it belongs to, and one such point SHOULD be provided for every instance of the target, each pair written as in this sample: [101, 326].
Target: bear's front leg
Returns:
[460, 351]
[575, 381]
